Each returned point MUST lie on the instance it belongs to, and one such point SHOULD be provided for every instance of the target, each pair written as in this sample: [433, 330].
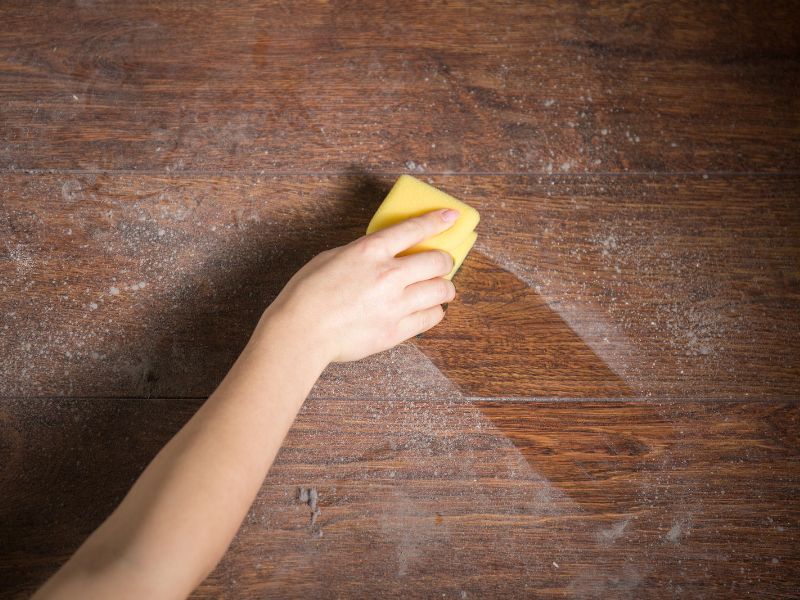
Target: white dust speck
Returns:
[22, 258]
[71, 190]
[632, 137]
[608, 536]
[113, 290]
[680, 528]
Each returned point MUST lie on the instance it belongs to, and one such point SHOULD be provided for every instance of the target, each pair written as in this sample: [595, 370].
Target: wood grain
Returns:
[450, 87]
[684, 286]
[501, 338]
[123, 285]
[424, 498]
[165, 167]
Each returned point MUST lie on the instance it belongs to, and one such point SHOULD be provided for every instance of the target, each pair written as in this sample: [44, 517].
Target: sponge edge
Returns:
[459, 253]
[410, 197]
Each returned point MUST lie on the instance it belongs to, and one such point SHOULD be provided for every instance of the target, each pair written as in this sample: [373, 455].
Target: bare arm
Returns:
[181, 514]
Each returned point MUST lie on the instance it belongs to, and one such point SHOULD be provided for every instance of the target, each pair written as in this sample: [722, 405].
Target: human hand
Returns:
[361, 298]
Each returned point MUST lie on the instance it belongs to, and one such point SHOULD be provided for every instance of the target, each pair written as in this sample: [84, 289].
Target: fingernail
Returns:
[450, 215]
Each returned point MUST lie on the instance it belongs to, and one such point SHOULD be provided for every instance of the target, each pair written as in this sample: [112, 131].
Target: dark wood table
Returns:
[610, 408]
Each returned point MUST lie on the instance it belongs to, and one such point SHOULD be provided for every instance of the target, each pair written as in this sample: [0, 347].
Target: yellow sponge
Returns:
[410, 197]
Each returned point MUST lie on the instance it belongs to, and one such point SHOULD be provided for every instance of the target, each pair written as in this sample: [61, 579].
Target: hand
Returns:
[361, 298]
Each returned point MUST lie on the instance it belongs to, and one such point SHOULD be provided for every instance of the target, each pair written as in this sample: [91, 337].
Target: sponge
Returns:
[410, 197]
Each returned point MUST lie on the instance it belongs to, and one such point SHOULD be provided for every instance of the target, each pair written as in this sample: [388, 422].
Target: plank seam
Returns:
[264, 173]
[453, 400]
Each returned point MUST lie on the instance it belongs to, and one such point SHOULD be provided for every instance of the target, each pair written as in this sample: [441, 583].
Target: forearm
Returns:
[182, 513]
[180, 516]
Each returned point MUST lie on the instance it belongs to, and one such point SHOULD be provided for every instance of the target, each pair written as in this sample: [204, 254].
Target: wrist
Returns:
[281, 331]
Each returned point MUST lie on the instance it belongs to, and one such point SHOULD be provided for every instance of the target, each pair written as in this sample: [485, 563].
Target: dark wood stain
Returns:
[610, 407]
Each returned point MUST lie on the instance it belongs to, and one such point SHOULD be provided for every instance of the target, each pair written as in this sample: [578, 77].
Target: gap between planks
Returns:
[264, 172]
[638, 400]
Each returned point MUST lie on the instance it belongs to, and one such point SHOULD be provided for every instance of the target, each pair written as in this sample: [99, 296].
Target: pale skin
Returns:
[179, 517]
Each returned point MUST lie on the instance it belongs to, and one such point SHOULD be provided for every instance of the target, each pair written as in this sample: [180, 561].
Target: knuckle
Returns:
[387, 274]
[442, 289]
[417, 228]
[370, 245]
[418, 297]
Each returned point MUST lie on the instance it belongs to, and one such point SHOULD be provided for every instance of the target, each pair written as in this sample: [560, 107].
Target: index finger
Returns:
[412, 231]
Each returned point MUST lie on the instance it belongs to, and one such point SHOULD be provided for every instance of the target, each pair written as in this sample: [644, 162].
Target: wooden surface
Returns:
[482, 498]
[579, 287]
[461, 86]
[610, 408]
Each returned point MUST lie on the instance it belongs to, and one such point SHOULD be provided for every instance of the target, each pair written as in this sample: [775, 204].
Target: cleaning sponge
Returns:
[410, 197]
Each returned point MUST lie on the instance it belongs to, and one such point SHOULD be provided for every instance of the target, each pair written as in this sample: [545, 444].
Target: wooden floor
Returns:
[610, 409]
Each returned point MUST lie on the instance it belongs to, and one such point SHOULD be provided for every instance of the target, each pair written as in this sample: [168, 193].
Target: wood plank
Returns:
[684, 286]
[123, 285]
[465, 499]
[456, 87]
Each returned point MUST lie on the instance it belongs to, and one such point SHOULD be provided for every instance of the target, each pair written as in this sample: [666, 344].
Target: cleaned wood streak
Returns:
[579, 287]
[457, 86]
[501, 338]
[424, 498]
